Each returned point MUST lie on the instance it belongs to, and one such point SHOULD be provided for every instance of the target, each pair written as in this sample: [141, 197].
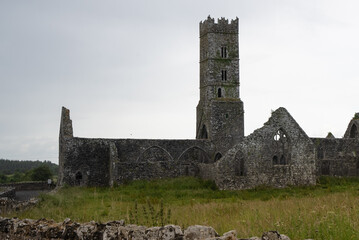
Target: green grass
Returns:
[329, 210]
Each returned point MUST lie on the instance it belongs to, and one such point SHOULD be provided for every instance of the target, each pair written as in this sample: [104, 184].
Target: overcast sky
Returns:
[129, 69]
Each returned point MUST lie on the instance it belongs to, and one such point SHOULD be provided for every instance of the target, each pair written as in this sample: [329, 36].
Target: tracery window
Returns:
[281, 151]
[239, 168]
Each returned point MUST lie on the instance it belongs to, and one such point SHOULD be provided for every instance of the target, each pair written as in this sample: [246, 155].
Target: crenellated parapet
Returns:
[221, 26]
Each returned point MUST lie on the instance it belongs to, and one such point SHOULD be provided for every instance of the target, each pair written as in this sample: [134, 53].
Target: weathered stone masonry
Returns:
[278, 154]
[101, 162]
[15, 228]
[8, 192]
[339, 156]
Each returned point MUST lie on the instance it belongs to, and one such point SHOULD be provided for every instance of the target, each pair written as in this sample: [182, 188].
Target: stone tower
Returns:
[220, 109]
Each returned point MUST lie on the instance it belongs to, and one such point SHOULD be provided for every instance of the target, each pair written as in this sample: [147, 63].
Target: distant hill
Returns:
[11, 166]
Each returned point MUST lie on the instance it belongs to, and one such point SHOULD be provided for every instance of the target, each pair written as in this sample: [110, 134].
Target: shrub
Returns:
[41, 173]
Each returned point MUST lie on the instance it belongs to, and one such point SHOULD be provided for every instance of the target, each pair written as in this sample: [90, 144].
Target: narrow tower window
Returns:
[219, 92]
[353, 131]
[241, 167]
[275, 160]
[224, 75]
[204, 134]
[224, 52]
[78, 177]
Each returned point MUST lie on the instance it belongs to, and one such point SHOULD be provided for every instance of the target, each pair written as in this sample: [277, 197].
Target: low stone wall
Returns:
[11, 205]
[8, 192]
[48, 229]
[22, 186]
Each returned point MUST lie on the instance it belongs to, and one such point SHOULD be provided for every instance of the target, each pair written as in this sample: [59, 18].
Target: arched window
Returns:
[325, 167]
[280, 135]
[239, 168]
[204, 134]
[78, 177]
[219, 92]
[217, 157]
[275, 160]
[320, 153]
[189, 160]
[224, 75]
[154, 154]
[280, 146]
[354, 131]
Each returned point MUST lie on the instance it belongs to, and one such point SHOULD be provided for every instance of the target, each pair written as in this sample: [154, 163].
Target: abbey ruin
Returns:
[278, 154]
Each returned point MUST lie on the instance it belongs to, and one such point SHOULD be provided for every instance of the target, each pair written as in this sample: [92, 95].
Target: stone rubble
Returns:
[9, 204]
[14, 228]
[8, 192]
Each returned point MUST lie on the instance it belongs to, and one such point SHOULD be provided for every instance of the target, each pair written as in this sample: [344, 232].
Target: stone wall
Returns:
[22, 186]
[48, 229]
[337, 157]
[102, 162]
[278, 154]
[10, 205]
[8, 192]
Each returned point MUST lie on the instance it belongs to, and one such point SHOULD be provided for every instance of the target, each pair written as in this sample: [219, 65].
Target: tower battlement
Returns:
[221, 26]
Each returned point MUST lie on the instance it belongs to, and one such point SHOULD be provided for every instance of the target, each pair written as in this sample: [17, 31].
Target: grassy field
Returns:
[329, 210]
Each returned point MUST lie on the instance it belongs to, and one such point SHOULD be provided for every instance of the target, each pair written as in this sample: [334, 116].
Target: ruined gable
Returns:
[339, 156]
[278, 154]
[353, 128]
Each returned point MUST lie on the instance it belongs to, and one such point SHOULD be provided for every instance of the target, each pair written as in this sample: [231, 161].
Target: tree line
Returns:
[19, 171]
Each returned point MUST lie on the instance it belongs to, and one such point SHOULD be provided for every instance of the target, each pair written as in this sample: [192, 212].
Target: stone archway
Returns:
[280, 145]
[81, 176]
[154, 162]
[189, 160]
[154, 154]
[239, 164]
